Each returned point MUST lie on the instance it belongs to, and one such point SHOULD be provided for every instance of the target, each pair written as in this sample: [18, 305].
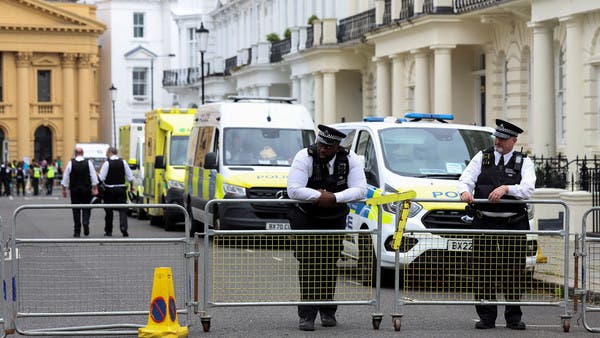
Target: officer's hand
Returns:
[326, 200]
[497, 193]
[466, 197]
[64, 193]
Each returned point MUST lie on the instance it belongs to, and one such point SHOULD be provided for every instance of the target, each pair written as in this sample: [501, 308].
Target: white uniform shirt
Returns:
[104, 172]
[67, 172]
[301, 170]
[523, 190]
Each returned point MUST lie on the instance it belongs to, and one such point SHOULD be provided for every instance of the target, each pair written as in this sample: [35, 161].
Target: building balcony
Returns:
[44, 109]
[279, 49]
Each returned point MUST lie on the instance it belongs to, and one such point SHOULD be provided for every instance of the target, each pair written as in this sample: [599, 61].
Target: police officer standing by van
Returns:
[326, 176]
[499, 173]
[113, 173]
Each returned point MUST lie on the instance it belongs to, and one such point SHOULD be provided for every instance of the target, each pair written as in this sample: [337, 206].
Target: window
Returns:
[138, 25]
[43, 85]
[366, 148]
[140, 83]
[193, 47]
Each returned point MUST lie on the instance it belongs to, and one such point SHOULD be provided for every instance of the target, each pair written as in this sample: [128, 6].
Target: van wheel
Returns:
[156, 220]
[169, 223]
[367, 261]
[141, 212]
[196, 225]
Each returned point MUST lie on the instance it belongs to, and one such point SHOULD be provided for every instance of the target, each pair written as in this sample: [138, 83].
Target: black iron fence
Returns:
[230, 63]
[353, 27]
[279, 49]
[310, 36]
[559, 172]
[461, 6]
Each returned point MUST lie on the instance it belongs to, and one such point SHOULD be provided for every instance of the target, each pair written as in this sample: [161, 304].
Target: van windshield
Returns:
[431, 152]
[264, 146]
[178, 150]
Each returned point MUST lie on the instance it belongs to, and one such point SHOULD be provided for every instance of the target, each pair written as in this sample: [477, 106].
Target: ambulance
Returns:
[166, 139]
[131, 149]
[243, 149]
[424, 153]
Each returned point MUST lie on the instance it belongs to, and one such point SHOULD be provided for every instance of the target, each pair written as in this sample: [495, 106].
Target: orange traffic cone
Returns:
[162, 319]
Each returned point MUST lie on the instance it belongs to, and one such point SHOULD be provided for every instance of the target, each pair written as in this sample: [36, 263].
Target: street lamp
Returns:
[113, 98]
[202, 37]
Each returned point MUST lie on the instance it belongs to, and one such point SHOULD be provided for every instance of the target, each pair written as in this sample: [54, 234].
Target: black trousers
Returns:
[499, 267]
[317, 256]
[81, 195]
[20, 186]
[35, 181]
[115, 196]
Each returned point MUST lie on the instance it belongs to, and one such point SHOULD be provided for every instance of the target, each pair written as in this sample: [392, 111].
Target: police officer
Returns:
[50, 173]
[113, 173]
[495, 174]
[36, 174]
[326, 176]
[20, 179]
[81, 179]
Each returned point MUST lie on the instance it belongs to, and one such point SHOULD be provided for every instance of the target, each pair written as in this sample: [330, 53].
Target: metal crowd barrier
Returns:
[446, 266]
[56, 282]
[259, 267]
[2, 272]
[590, 273]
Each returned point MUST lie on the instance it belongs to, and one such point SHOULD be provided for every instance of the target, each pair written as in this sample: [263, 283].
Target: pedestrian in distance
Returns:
[36, 175]
[113, 173]
[20, 179]
[499, 173]
[50, 174]
[6, 177]
[82, 181]
[326, 177]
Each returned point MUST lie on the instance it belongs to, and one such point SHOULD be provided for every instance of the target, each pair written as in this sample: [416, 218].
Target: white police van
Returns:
[425, 153]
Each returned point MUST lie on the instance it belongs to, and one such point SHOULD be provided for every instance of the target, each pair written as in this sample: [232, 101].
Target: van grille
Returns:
[445, 219]
[262, 192]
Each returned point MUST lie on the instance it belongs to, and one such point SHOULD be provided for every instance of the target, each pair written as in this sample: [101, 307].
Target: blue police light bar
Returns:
[429, 116]
[383, 119]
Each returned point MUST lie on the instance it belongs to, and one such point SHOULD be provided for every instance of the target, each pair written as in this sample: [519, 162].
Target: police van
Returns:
[244, 148]
[425, 153]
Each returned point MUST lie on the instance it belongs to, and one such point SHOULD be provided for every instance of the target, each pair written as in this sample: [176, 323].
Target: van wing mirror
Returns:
[159, 162]
[211, 161]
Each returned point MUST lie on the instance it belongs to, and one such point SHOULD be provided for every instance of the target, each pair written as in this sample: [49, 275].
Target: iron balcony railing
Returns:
[180, 77]
[461, 6]
[279, 49]
[387, 12]
[353, 27]
[310, 36]
[407, 10]
[230, 63]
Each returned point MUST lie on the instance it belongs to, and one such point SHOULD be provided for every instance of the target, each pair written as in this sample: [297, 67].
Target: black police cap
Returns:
[506, 129]
[328, 135]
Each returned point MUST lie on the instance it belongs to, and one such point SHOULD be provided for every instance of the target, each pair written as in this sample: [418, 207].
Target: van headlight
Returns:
[415, 208]
[175, 184]
[234, 191]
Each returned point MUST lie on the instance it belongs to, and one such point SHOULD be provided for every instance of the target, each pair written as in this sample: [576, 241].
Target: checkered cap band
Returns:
[326, 137]
[505, 132]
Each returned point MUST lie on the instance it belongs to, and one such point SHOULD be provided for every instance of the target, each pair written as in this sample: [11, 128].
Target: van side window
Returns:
[366, 148]
[203, 145]
[191, 151]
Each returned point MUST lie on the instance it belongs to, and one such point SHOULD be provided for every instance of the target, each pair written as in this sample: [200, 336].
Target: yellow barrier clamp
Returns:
[405, 197]
[397, 239]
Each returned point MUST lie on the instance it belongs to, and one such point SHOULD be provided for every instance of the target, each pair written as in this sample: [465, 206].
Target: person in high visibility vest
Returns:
[50, 178]
[36, 174]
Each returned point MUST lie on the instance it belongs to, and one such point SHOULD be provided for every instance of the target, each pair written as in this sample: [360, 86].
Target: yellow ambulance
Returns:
[244, 148]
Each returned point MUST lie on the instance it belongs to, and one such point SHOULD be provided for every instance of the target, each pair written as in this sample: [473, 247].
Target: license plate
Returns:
[278, 226]
[460, 245]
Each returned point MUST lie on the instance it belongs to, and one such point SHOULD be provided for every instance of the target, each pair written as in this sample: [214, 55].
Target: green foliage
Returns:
[312, 18]
[288, 33]
[273, 37]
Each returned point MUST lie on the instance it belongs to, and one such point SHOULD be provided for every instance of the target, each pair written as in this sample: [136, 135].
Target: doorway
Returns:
[43, 144]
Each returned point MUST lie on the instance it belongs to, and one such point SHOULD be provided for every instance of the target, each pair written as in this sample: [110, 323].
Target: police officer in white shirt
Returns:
[326, 176]
[113, 173]
[495, 174]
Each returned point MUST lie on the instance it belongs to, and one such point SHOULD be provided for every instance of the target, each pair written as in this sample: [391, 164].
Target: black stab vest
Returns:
[492, 176]
[320, 179]
[80, 175]
[116, 172]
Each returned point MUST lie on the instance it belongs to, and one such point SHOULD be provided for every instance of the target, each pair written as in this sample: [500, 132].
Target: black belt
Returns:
[510, 219]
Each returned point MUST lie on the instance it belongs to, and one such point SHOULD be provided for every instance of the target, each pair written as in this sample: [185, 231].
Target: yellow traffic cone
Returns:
[162, 319]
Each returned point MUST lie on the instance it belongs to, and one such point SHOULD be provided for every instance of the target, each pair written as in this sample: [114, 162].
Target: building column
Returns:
[296, 89]
[84, 87]
[543, 111]
[442, 79]
[383, 87]
[575, 121]
[318, 93]
[329, 97]
[398, 86]
[421, 81]
[23, 139]
[68, 104]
